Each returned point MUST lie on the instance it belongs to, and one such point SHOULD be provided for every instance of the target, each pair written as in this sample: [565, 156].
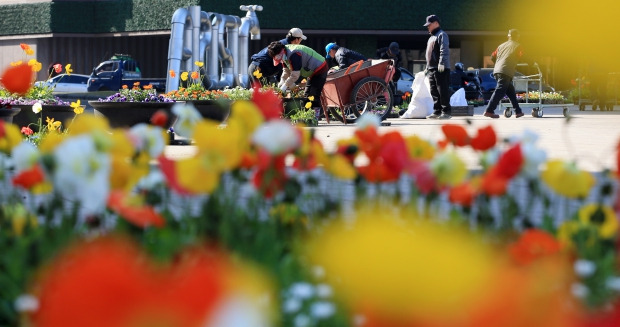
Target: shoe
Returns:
[519, 115]
[433, 116]
[402, 111]
[491, 115]
[445, 116]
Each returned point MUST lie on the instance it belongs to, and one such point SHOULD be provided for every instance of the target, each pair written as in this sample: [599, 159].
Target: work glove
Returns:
[441, 68]
[283, 88]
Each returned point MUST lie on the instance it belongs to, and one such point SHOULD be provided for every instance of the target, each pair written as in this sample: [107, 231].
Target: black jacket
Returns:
[345, 57]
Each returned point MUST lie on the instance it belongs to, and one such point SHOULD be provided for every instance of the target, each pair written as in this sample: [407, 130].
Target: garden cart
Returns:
[361, 88]
[611, 85]
[537, 105]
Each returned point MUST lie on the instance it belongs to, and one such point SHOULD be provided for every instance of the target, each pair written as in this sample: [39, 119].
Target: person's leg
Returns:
[512, 96]
[443, 81]
[434, 93]
[314, 87]
[498, 94]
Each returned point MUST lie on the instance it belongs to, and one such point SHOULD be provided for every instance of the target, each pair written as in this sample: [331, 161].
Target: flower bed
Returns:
[93, 233]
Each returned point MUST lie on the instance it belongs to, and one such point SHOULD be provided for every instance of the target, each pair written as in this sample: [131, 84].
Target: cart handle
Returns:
[356, 64]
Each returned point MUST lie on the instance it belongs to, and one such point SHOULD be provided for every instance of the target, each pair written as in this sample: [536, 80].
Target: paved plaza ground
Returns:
[589, 137]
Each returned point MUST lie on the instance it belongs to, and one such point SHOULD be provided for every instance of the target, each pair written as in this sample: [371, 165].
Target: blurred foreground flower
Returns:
[109, 282]
[396, 272]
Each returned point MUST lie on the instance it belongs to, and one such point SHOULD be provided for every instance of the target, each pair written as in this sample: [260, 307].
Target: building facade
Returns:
[84, 33]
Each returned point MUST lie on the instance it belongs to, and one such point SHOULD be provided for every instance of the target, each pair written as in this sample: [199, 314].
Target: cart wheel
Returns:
[565, 112]
[582, 107]
[539, 113]
[535, 112]
[372, 95]
[349, 116]
[507, 112]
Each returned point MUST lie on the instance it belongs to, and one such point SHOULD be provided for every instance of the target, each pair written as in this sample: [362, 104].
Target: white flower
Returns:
[26, 303]
[322, 309]
[82, 174]
[239, 310]
[318, 272]
[187, 118]
[368, 119]
[37, 107]
[302, 290]
[148, 138]
[25, 155]
[579, 290]
[323, 290]
[584, 268]
[276, 136]
[291, 305]
[301, 320]
[613, 283]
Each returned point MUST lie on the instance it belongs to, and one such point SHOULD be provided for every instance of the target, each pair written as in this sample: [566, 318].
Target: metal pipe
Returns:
[249, 25]
[175, 47]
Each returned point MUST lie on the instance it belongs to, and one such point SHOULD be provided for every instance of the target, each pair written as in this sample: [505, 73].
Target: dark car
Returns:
[488, 83]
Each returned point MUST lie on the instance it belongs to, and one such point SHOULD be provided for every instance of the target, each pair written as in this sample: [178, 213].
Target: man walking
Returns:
[438, 68]
[505, 57]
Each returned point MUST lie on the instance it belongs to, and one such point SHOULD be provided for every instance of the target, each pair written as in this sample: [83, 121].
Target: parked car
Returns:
[488, 83]
[66, 83]
[404, 83]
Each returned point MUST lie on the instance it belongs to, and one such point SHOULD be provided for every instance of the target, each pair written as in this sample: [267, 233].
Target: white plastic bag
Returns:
[421, 104]
[458, 98]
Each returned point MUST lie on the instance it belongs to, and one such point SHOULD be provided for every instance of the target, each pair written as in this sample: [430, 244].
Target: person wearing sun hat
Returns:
[262, 65]
[341, 56]
[300, 61]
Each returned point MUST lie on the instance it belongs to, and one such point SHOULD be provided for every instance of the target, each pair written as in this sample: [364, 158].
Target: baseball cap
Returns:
[297, 32]
[431, 19]
[394, 48]
[330, 46]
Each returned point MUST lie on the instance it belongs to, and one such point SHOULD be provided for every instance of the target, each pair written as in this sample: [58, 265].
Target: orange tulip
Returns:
[18, 79]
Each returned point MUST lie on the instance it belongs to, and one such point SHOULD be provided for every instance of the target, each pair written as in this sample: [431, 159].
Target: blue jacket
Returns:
[265, 63]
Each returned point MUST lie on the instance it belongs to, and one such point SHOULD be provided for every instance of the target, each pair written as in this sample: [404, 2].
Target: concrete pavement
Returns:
[589, 137]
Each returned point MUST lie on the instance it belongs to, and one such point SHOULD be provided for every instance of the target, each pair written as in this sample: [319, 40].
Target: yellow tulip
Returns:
[567, 180]
[184, 76]
[449, 169]
[68, 69]
[403, 268]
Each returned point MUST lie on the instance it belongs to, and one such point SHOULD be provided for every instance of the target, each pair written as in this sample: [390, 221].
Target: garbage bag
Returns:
[458, 98]
[421, 104]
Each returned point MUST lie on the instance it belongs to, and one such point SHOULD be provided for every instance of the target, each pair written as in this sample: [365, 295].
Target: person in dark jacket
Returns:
[438, 68]
[263, 63]
[505, 57]
[341, 56]
[391, 52]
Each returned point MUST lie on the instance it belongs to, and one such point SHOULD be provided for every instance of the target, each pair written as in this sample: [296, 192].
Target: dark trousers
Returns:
[504, 88]
[440, 91]
[314, 86]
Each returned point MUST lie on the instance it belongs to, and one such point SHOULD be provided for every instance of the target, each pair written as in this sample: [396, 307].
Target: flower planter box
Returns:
[217, 110]
[7, 114]
[463, 110]
[27, 117]
[127, 114]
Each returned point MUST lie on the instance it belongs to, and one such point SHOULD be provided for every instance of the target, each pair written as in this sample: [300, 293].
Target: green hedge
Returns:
[148, 15]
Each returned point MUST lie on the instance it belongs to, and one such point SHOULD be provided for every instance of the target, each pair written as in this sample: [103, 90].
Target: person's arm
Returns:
[444, 50]
[294, 71]
[494, 55]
